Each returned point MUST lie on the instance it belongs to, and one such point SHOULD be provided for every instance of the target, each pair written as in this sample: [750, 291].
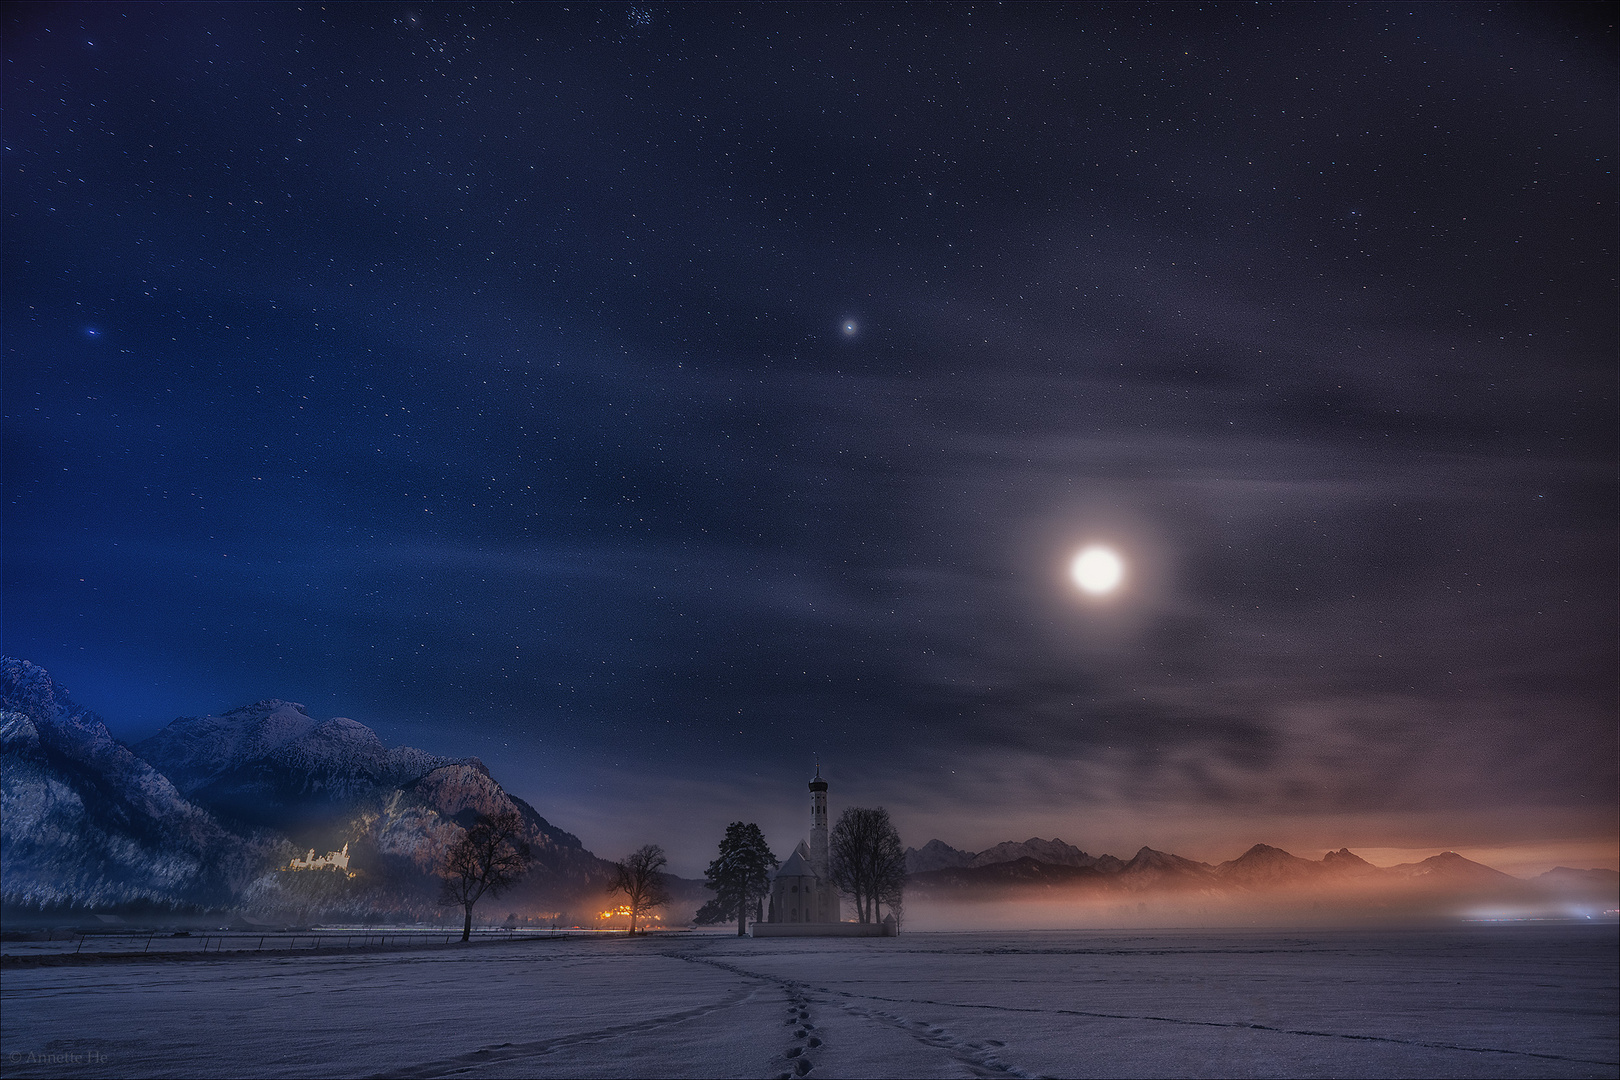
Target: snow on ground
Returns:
[1476, 1001]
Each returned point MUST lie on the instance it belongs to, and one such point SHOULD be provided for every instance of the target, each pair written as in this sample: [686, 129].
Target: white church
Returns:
[803, 902]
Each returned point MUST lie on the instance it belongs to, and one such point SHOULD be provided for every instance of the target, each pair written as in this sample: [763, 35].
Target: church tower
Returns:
[818, 825]
[801, 891]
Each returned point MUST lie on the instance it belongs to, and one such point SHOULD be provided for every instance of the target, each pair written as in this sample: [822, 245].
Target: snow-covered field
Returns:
[1500, 1000]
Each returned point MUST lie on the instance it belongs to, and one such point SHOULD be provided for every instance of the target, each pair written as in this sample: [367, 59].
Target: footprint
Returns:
[802, 1067]
[795, 1051]
[814, 1042]
[799, 1034]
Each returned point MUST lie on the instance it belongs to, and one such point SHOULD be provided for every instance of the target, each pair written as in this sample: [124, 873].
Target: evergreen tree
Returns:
[741, 875]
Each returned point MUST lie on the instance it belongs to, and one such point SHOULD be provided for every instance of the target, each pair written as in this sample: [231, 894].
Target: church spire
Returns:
[818, 825]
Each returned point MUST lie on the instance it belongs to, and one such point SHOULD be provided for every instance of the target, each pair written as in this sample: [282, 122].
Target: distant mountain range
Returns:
[1038, 867]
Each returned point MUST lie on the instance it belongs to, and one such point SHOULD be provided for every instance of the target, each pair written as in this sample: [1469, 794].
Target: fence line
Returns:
[123, 942]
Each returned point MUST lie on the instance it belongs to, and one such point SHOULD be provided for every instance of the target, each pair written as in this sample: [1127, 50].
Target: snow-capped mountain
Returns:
[1150, 869]
[936, 855]
[398, 838]
[83, 817]
[1054, 852]
[272, 763]
[207, 810]
[1263, 865]
[1450, 868]
[1012, 871]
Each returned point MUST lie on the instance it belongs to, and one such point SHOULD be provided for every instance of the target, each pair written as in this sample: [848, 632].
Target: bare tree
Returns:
[489, 858]
[866, 862]
[640, 879]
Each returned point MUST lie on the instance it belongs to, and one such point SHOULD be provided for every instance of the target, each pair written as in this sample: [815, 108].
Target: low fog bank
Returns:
[1081, 909]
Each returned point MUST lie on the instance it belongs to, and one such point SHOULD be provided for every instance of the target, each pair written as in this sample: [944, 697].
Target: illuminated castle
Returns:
[332, 860]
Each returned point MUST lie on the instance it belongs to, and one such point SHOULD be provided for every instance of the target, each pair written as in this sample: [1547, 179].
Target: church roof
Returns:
[797, 865]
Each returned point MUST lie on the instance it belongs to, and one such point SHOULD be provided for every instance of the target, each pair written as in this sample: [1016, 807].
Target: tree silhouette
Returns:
[641, 881]
[741, 875]
[866, 862]
[489, 858]
[713, 913]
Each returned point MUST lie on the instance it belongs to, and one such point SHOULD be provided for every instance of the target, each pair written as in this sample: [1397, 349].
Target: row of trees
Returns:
[865, 862]
[491, 856]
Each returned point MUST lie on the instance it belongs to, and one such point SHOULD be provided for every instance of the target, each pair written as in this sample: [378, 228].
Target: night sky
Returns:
[654, 400]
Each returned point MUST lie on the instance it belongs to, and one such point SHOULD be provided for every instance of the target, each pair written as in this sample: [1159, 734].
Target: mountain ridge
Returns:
[207, 811]
[1010, 867]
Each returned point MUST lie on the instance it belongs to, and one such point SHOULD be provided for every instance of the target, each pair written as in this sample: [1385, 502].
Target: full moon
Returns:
[850, 328]
[1097, 570]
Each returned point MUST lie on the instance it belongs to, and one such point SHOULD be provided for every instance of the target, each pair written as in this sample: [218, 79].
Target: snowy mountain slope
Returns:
[194, 750]
[1150, 869]
[273, 764]
[82, 817]
[935, 855]
[1054, 852]
[938, 855]
[1266, 866]
[1449, 869]
[88, 821]
[397, 840]
[1022, 875]
[1434, 885]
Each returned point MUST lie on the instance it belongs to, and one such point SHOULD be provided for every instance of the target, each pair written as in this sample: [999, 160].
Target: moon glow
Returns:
[1097, 570]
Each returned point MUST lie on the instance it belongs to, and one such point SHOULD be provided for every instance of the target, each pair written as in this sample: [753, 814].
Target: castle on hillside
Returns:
[803, 901]
[333, 860]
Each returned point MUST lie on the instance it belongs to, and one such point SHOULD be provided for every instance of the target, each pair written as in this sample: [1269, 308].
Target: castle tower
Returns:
[818, 825]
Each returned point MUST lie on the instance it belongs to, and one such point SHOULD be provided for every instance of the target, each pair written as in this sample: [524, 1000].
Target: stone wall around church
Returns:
[829, 929]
